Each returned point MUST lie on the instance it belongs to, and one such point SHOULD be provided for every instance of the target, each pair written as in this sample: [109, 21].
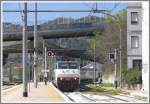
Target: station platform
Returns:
[42, 94]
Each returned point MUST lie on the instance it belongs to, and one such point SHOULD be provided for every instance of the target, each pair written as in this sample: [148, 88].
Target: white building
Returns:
[138, 39]
[145, 45]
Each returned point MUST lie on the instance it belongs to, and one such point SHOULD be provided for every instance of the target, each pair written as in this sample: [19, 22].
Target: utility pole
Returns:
[29, 63]
[35, 47]
[94, 60]
[24, 52]
[115, 62]
[10, 72]
[45, 60]
[120, 58]
[45, 71]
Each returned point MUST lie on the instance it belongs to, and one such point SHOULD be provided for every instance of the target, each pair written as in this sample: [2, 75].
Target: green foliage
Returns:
[132, 76]
[108, 39]
[106, 88]
[106, 85]
[100, 85]
[120, 17]
[94, 41]
[95, 87]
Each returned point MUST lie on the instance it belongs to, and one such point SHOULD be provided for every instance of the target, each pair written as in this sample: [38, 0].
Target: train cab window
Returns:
[62, 66]
[73, 66]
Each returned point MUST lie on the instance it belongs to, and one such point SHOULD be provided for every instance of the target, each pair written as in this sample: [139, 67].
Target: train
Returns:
[87, 72]
[66, 75]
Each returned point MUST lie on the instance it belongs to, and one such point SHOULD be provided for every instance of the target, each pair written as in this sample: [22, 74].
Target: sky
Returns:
[42, 17]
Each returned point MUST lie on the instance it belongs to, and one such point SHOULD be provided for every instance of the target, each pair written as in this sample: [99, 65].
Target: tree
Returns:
[109, 39]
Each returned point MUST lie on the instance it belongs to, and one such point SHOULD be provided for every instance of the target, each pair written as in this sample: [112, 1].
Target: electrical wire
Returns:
[115, 6]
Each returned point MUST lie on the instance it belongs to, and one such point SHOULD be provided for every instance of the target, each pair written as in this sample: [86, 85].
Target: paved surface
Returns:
[42, 94]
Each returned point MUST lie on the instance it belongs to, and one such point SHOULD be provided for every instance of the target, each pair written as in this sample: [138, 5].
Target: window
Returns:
[73, 66]
[137, 64]
[134, 41]
[63, 66]
[134, 17]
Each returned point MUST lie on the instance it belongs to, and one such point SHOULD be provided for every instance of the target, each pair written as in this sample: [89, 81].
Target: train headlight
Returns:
[61, 78]
[75, 78]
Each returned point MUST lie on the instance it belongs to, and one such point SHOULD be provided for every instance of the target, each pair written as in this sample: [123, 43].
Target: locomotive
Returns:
[66, 75]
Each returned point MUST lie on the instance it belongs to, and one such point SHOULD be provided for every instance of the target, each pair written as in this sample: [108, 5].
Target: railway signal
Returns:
[113, 59]
[50, 53]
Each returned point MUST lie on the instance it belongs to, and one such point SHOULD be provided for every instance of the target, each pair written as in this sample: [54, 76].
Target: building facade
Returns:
[135, 35]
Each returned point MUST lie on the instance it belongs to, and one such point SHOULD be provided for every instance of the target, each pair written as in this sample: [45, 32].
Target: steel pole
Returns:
[10, 73]
[45, 61]
[94, 59]
[29, 68]
[24, 52]
[35, 47]
[120, 57]
[43, 57]
[45, 72]
[115, 61]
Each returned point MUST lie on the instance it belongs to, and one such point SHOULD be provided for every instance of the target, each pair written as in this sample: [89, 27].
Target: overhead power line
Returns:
[58, 11]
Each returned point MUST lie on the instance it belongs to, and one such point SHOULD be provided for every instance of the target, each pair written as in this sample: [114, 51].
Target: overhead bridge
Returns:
[74, 53]
[49, 32]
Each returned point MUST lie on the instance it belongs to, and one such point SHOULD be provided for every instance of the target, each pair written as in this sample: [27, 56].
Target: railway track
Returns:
[78, 97]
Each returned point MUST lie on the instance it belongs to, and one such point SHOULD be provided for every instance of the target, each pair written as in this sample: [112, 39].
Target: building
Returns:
[135, 36]
[145, 47]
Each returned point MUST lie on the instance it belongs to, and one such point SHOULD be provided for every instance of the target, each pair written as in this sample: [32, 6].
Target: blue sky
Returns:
[16, 17]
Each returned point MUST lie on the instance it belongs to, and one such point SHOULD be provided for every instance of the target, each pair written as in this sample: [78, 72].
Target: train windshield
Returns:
[63, 66]
[73, 66]
[68, 65]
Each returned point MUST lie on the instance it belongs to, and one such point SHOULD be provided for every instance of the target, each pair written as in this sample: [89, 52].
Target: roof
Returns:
[91, 66]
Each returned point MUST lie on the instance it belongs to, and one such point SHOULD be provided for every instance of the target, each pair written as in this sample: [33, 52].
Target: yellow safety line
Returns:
[10, 90]
[56, 97]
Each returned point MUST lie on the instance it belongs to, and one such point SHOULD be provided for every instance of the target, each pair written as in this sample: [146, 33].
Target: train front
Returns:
[68, 75]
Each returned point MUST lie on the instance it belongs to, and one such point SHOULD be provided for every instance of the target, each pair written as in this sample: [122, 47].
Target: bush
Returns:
[132, 76]
[100, 85]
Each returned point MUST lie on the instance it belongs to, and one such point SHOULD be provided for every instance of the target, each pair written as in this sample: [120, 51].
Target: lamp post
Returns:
[24, 51]
[35, 48]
